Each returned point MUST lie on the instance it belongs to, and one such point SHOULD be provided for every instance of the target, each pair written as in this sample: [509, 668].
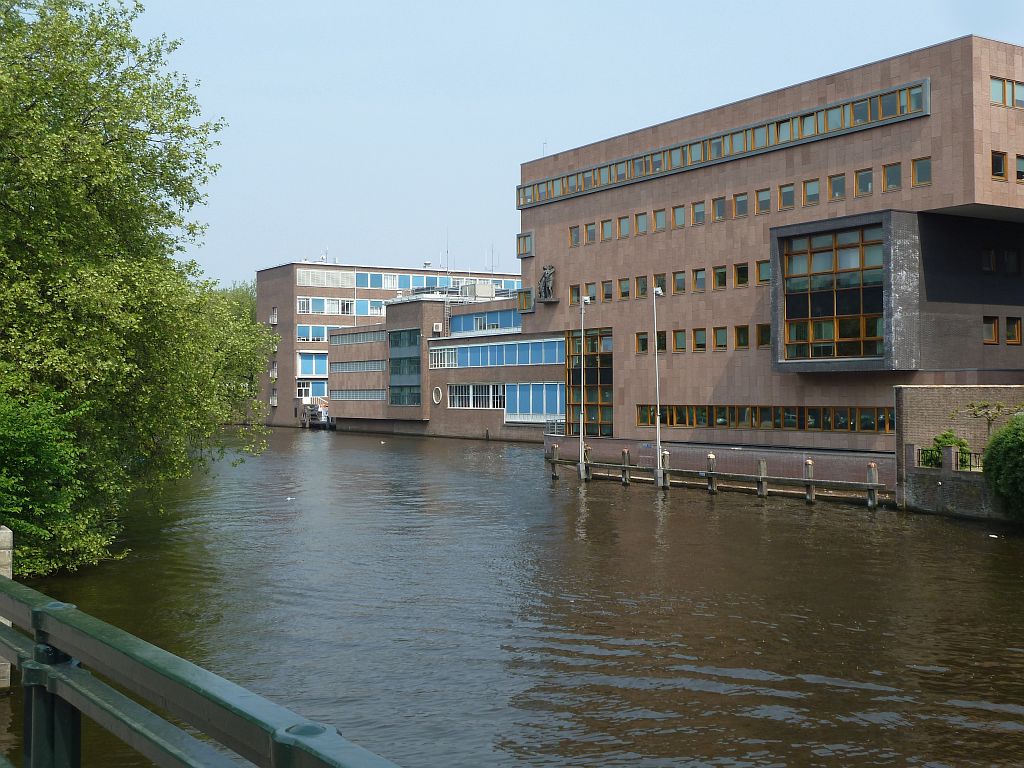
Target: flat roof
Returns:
[382, 268]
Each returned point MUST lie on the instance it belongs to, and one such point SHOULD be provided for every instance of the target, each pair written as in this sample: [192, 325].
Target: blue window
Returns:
[318, 332]
[498, 354]
[362, 307]
[551, 398]
[362, 280]
[376, 280]
[537, 395]
[417, 281]
[456, 323]
[317, 306]
[313, 363]
[524, 398]
[510, 354]
[431, 281]
[444, 282]
[512, 398]
[302, 333]
[550, 351]
[376, 305]
[536, 352]
[492, 318]
[510, 319]
[474, 357]
[508, 285]
[318, 388]
[463, 357]
[561, 399]
[404, 282]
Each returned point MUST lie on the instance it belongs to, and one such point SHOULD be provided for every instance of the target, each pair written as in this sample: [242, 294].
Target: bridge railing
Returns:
[67, 646]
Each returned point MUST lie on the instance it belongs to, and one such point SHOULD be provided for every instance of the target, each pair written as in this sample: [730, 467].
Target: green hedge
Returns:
[1004, 465]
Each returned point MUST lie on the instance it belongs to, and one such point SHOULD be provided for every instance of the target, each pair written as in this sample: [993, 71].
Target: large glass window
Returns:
[833, 290]
[589, 382]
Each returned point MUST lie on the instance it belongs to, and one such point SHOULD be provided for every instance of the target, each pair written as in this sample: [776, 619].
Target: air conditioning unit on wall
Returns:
[438, 327]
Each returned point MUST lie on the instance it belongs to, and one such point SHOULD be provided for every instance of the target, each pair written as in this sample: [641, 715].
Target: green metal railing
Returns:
[68, 646]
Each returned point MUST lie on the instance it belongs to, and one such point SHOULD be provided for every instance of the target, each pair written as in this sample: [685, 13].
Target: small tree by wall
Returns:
[1004, 465]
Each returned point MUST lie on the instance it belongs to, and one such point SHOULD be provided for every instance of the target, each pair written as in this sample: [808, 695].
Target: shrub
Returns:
[1004, 465]
[932, 457]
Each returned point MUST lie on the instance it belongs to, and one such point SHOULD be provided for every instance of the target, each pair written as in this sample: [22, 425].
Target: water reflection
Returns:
[445, 603]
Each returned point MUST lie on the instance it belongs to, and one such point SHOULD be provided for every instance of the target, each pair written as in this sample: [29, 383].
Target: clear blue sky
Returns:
[373, 128]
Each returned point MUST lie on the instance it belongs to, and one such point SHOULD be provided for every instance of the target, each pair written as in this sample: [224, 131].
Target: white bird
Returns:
[382, 442]
[992, 536]
[289, 498]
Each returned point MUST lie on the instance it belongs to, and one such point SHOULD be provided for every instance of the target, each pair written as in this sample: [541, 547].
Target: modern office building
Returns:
[305, 302]
[814, 246]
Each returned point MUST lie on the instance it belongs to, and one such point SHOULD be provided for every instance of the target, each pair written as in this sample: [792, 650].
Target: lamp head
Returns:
[586, 299]
[658, 291]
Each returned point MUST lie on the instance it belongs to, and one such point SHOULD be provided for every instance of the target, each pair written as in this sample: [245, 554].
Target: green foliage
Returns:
[1004, 465]
[990, 412]
[242, 294]
[933, 457]
[128, 363]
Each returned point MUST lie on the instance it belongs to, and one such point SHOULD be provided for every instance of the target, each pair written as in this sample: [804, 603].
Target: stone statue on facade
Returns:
[546, 284]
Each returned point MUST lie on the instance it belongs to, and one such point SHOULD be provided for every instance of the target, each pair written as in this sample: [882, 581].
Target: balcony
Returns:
[273, 318]
[273, 401]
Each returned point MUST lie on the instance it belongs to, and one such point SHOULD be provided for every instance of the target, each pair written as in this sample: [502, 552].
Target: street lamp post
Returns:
[659, 472]
[584, 300]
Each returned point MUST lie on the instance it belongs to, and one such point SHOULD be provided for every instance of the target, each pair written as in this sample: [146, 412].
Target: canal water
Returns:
[445, 603]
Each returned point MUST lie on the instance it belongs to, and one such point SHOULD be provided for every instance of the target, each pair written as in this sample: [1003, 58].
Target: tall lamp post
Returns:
[584, 300]
[659, 472]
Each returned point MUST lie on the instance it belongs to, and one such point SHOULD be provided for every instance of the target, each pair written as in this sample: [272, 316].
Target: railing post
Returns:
[53, 728]
[762, 483]
[554, 461]
[872, 478]
[625, 466]
[6, 569]
[809, 481]
[950, 460]
[664, 469]
[712, 480]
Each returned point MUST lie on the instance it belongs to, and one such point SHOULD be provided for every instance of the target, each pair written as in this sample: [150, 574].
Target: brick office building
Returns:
[815, 246]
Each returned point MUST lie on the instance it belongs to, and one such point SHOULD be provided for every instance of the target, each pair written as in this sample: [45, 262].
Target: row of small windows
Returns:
[1007, 92]
[699, 338]
[315, 305]
[341, 278]
[486, 321]
[1000, 167]
[807, 418]
[990, 333]
[358, 394]
[543, 352]
[639, 286]
[738, 206]
[856, 113]
[357, 366]
[539, 400]
[479, 396]
[315, 332]
[359, 337]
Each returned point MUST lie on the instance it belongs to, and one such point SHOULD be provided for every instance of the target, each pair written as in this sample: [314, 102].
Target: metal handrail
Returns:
[255, 728]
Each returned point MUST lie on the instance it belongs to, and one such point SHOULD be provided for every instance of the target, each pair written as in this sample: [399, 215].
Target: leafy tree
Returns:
[114, 342]
[1004, 465]
[242, 294]
[933, 458]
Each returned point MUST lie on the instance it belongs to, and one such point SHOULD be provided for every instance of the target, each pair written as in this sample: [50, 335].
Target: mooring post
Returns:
[762, 483]
[586, 462]
[872, 478]
[6, 569]
[664, 469]
[554, 461]
[712, 480]
[809, 481]
[625, 466]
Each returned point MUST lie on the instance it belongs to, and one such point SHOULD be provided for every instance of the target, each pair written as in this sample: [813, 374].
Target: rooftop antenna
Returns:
[544, 149]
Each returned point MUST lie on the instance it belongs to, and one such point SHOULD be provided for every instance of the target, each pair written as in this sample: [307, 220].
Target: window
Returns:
[574, 294]
[786, 196]
[1013, 330]
[699, 276]
[606, 290]
[837, 187]
[641, 342]
[740, 275]
[592, 292]
[864, 182]
[641, 223]
[892, 177]
[721, 338]
[996, 90]
[700, 340]
[662, 341]
[999, 166]
[764, 201]
[991, 332]
[718, 209]
[659, 220]
[641, 286]
[739, 205]
[1020, 170]
[812, 192]
[720, 275]
[607, 230]
[524, 300]
[697, 213]
[988, 260]
[921, 172]
[591, 233]
[678, 216]
[679, 340]
[623, 227]
[524, 245]
[764, 335]
[679, 282]
[574, 236]
[660, 282]
[741, 337]
[764, 272]
[623, 287]
[1011, 262]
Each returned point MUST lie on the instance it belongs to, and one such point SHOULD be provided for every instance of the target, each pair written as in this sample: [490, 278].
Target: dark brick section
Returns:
[902, 291]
